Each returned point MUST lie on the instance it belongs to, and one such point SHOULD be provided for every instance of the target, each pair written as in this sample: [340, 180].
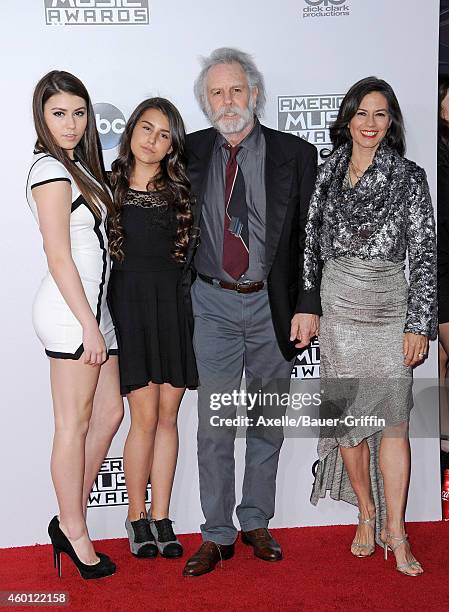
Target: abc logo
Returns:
[110, 124]
[325, 2]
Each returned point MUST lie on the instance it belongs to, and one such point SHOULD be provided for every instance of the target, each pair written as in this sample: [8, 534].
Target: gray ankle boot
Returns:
[141, 539]
[168, 544]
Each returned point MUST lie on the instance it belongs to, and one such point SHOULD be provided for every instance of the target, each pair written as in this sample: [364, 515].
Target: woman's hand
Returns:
[416, 347]
[94, 345]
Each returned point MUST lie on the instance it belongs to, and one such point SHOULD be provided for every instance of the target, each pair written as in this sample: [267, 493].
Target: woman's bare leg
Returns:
[106, 417]
[357, 461]
[165, 451]
[139, 446]
[73, 386]
[394, 463]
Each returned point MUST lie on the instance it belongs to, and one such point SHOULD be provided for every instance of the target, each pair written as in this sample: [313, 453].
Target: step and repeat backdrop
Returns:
[310, 52]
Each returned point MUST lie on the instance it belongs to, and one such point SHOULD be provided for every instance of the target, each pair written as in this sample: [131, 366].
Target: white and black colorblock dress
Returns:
[56, 326]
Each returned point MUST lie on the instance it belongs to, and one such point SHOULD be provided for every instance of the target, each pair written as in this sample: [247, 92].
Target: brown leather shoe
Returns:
[207, 557]
[264, 545]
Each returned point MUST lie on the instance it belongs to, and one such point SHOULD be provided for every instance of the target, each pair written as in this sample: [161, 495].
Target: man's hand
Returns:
[303, 328]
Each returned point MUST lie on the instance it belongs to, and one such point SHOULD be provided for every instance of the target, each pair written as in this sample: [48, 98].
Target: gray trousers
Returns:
[235, 331]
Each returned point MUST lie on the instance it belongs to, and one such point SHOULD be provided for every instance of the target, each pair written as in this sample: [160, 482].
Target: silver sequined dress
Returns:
[358, 252]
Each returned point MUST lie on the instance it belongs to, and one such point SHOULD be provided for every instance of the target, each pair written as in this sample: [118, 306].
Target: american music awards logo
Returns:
[326, 8]
[109, 487]
[97, 12]
[310, 118]
[307, 364]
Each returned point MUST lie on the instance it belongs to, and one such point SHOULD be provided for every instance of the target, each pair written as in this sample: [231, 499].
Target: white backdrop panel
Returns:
[121, 65]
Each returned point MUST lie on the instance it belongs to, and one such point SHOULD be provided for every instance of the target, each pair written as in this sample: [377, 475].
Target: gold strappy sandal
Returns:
[360, 545]
[404, 566]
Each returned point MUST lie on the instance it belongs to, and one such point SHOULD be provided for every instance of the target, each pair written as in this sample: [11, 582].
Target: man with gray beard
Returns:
[252, 186]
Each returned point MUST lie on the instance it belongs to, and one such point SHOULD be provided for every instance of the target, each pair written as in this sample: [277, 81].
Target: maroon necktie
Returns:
[235, 239]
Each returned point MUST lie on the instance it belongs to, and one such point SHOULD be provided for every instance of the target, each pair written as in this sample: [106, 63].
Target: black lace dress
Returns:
[151, 312]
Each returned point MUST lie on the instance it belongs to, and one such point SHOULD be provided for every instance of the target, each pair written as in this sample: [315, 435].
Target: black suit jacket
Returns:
[290, 172]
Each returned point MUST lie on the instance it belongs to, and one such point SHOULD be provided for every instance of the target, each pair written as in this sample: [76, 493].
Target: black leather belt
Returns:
[245, 287]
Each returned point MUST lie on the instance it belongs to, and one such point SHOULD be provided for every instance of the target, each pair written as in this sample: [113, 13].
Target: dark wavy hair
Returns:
[171, 178]
[395, 136]
[443, 124]
[87, 151]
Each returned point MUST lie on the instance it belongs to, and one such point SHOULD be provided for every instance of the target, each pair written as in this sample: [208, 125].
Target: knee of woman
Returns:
[147, 425]
[117, 412]
[107, 414]
[397, 431]
[72, 426]
[167, 421]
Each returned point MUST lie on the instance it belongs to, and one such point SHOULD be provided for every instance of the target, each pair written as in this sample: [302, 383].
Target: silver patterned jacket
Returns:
[387, 215]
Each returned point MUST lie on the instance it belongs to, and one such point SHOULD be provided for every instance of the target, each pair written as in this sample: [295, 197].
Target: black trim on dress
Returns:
[29, 174]
[77, 203]
[76, 355]
[97, 225]
[62, 178]
[96, 228]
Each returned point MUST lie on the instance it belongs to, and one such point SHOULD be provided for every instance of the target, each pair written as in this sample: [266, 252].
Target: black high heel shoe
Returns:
[105, 567]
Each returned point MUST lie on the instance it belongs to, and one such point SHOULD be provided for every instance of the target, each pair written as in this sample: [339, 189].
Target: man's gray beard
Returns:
[231, 126]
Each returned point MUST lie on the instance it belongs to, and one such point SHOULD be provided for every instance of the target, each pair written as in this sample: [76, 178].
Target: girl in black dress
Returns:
[150, 304]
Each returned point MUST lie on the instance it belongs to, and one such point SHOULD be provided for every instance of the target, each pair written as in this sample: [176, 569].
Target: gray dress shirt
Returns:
[251, 160]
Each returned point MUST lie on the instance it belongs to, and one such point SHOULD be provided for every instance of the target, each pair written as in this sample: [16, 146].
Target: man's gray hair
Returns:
[228, 55]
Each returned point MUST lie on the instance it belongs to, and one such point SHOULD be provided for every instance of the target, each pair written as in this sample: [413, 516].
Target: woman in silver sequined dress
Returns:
[371, 207]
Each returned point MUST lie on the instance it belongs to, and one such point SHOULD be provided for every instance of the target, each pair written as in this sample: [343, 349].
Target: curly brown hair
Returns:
[171, 178]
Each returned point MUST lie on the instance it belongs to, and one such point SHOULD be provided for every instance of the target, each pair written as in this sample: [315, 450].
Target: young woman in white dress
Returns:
[68, 196]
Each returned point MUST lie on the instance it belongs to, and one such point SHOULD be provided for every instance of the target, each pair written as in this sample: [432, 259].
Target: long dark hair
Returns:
[443, 124]
[171, 178]
[87, 151]
[395, 136]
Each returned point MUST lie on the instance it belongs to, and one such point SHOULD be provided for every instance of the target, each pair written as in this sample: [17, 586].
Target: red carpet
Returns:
[318, 573]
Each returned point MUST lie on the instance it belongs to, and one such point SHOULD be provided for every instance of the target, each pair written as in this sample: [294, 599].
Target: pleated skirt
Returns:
[366, 387]
[154, 326]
